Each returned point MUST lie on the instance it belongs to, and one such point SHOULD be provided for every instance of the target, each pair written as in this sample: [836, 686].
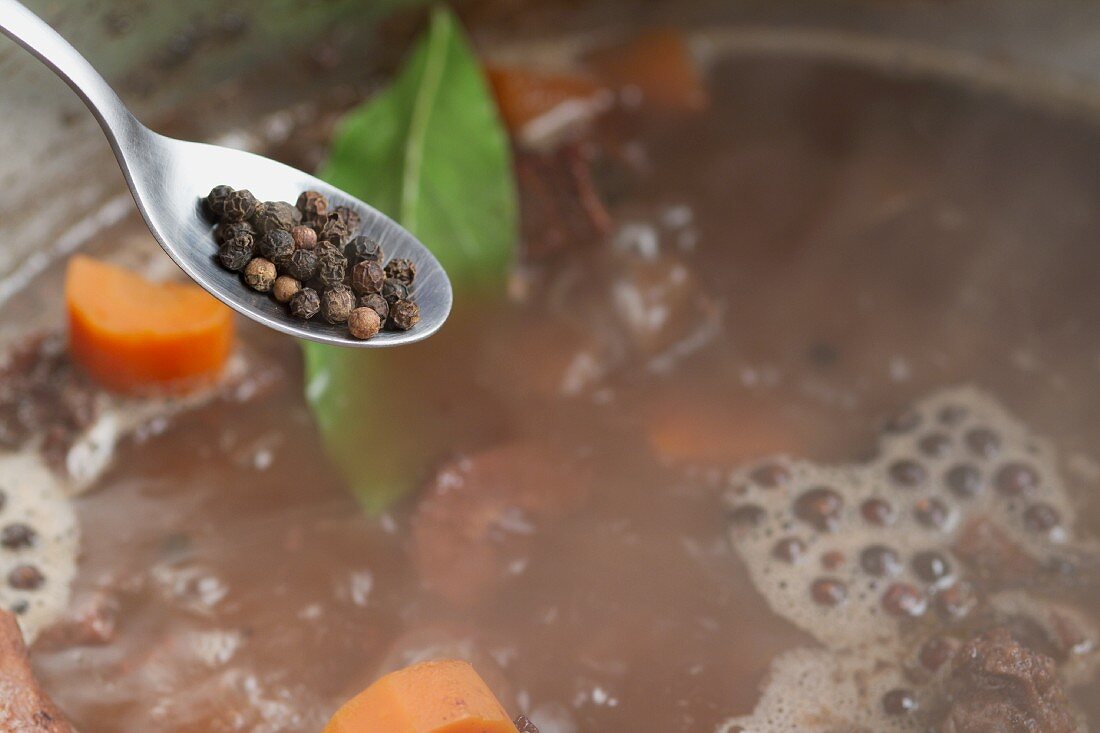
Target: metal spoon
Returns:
[168, 179]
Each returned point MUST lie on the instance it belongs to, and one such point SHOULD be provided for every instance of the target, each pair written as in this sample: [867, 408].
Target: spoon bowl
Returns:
[169, 178]
[170, 200]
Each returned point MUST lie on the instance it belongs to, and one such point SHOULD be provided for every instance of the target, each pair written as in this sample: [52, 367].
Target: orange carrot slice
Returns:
[445, 696]
[524, 95]
[660, 65]
[131, 334]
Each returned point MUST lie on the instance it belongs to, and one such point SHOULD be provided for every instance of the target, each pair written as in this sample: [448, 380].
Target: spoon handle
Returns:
[35, 35]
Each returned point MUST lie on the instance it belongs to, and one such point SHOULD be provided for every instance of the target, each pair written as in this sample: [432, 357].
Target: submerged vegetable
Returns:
[659, 65]
[432, 152]
[525, 95]
[130, 333]
[444, 696]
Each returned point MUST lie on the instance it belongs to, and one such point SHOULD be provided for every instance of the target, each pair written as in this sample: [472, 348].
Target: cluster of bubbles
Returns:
[38, 542]
[864, 557]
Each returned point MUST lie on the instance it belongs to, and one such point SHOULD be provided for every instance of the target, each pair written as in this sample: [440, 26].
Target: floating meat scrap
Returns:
[890, 565]
[560, 206]
[23, 704]
[995, 679]
[44, 396]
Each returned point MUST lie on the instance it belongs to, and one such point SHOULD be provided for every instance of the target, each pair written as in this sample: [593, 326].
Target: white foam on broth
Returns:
[36, 498]
[914, 485]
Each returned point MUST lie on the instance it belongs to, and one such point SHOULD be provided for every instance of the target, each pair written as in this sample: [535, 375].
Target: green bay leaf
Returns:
[431, 152]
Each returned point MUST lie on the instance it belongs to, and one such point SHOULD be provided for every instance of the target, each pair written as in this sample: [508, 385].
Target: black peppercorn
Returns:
[376, 303]
[312, 205]
[260, 274]
[364, 323]
[239, 205]
[367, 277]
[363, 248]
[350, 218]
[333, 267]
[280, 248]
[236, 253]
[276, 215]
[333, 230]
[285, 288]
[394, 290]
[337, 304]
[326, 249]
[214, 203]
[277, 246]
[302, 265]
[304, 237]
[404, 314]
[305, 304]
[401, 269]
[229, 229]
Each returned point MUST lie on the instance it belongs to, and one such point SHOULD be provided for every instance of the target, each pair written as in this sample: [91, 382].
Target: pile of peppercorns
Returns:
[312, 259]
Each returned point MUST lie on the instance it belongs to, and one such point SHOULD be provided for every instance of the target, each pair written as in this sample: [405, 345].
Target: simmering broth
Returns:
[851, 241]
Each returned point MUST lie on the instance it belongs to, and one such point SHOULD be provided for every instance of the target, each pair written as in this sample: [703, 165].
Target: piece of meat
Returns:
[560, 207]
[90, 621]
[999, 686]
[42, 392]
[479, 515]
[23, 704]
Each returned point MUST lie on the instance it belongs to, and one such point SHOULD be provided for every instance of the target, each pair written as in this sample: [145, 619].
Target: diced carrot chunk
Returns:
[524, 95]
[131, 334]
[445, 696]
[660, 65]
